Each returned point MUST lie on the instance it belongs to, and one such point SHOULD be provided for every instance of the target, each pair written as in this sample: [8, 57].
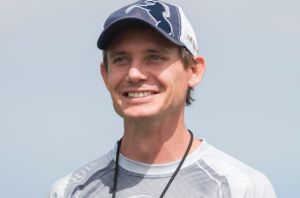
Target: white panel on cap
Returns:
[188, 36]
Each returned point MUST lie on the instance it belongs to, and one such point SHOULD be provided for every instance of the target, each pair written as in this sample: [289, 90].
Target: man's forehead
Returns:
[119, 52]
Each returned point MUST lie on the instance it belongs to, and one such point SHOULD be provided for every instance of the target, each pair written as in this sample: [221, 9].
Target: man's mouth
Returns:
[139, 94]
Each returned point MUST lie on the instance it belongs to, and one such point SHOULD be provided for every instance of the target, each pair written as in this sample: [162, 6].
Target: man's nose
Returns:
[136, 74]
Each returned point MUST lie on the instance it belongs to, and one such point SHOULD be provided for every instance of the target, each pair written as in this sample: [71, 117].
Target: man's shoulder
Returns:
[58, 189]
[244, 180]
[63, 187]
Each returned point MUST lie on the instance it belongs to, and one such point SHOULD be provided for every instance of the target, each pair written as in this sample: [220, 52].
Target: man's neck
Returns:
[157, 141]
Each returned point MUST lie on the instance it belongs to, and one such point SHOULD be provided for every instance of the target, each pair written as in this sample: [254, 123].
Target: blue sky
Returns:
[56, 115]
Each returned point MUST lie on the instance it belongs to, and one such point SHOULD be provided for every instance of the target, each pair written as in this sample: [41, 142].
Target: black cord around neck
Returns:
[114, 189]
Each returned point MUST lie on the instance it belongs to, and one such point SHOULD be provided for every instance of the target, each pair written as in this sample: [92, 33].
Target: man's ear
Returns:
[104, 74]
[197, 71]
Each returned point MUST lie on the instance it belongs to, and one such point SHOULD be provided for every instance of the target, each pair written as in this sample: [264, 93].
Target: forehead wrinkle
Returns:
[117, 52]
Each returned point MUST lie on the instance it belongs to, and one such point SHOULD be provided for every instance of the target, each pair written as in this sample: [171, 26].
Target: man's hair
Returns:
[188, 61]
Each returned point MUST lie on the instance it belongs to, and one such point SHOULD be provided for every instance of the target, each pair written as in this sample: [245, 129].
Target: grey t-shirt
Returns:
[206, 173]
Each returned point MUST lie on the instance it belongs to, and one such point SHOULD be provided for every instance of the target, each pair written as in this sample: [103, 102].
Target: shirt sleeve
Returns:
[58, 189]
[261, 187]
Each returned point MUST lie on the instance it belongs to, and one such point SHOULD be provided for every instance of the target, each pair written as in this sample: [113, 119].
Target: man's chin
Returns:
[139, 115]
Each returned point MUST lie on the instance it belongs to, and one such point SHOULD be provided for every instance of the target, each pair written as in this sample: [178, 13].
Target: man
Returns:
[150, 65]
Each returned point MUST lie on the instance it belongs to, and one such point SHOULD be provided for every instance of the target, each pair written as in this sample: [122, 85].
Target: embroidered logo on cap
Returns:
[159, 11]
[192, 41]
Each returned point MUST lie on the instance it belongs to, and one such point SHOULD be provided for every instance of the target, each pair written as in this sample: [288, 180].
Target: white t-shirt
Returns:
[206, 173]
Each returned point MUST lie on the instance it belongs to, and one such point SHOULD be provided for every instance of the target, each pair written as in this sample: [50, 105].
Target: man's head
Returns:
[168, 25]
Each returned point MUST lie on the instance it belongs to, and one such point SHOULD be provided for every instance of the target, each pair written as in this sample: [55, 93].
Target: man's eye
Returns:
[155, 58]
[119, 60]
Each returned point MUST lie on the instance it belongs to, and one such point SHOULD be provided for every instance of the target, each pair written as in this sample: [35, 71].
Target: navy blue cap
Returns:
[169, 20]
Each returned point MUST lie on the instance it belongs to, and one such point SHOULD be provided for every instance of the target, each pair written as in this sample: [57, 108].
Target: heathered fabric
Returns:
[206, 173]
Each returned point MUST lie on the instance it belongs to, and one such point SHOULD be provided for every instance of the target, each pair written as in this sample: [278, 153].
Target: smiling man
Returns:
[150, 65]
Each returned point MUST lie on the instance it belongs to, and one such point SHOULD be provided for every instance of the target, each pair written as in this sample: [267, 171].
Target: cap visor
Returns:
[129, 22]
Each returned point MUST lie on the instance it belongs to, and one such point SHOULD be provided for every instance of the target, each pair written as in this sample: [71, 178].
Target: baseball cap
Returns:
[167, 19]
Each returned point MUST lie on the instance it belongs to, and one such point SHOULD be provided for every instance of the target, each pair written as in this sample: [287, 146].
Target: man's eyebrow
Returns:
[116, 53]
[158, 50]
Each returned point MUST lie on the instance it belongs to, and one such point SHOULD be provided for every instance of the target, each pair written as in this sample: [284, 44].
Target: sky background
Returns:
[56, 115]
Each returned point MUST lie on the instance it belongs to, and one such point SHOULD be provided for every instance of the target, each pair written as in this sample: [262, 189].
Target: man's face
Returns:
[145, 76]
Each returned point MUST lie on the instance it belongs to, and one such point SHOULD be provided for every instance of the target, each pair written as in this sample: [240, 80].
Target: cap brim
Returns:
[129, 22]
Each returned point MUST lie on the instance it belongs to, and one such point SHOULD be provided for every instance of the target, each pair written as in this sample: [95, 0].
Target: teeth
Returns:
[139, 94]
